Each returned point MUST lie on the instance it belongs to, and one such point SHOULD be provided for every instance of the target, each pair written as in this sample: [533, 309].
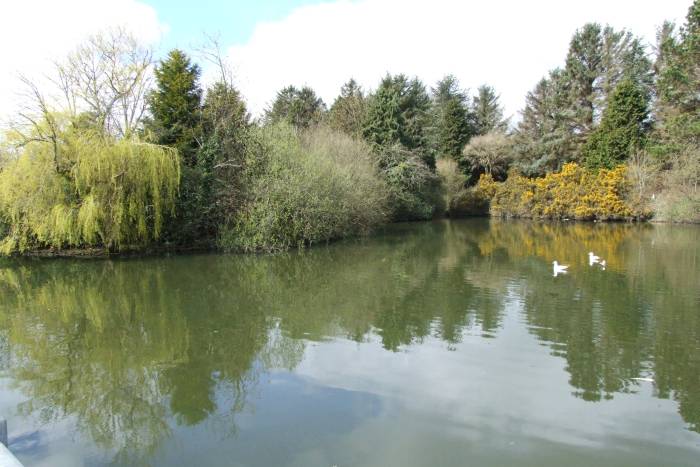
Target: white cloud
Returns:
[33, 33]
[509, 44]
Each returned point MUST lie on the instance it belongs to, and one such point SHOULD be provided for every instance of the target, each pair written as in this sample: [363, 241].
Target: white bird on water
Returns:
[592, 259]
[603, 263]
[559, 268]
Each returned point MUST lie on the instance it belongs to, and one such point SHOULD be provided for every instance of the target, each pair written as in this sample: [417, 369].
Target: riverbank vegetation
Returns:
[137, 153]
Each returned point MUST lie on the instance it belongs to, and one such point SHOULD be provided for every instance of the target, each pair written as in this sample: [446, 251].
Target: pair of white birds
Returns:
[592, 259]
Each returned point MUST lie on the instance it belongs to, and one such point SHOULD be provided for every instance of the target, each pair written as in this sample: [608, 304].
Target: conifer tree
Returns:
[451, 126]
[349, 111]
[398, 113]
[677, 108]
[300, 108]
[488, 112]
[542, 139]
[175, 105]
[622, 128]
[599, 58]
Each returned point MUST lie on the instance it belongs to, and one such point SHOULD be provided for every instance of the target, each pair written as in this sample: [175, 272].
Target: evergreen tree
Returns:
[398, 112]
[677, 108]
[451, 127]
[583, 63]
[599, 58]
[300, 108]
[622, 128]
[349, 111]
[175, 105]
[488, 112]
[543, 140]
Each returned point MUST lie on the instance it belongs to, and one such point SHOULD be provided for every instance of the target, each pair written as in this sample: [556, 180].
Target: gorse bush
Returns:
[89, 190]
[305, 188]
[574, 193]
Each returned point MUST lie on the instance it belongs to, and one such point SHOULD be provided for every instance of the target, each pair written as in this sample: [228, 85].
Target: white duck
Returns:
[592, 259]
[603, 263]
[559, 268]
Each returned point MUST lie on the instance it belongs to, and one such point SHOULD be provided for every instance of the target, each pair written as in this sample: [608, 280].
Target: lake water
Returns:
[439, 344]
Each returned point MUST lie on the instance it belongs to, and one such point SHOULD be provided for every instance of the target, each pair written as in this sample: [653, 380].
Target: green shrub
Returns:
[415, 191]
[305, 188]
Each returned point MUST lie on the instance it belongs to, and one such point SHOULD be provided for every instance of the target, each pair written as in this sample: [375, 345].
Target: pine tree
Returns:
[677, 108]
[451, 126]
[349, 111]
[599, 58]
[175, 105]
[300, 108]
[488, 112]
[622, 129]
[398, 113]
[543, 142]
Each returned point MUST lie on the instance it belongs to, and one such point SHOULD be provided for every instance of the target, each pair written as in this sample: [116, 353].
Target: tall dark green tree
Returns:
[542, 139]
[349, 111]
[399, 113]
[301, 108]
[451, 126]
[487, 112]
[175, 105]
[677, 107]
[622, 129]
[599, 58]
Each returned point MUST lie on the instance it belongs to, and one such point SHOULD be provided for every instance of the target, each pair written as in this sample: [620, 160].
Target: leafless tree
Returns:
[108, 76]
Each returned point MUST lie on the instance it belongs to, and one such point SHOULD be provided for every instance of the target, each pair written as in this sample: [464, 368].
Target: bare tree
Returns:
[108, 76]
[40, 121]
[211, 52]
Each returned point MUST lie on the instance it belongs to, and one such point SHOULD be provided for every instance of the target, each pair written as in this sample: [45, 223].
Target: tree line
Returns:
[133, 153]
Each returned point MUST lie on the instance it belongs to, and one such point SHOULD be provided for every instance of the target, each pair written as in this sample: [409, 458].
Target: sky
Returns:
[508, 44]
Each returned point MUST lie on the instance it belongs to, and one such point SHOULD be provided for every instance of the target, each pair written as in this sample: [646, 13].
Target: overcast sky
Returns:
[508, 44]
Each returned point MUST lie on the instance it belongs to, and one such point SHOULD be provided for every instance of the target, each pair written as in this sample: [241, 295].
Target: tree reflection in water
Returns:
[125, 346]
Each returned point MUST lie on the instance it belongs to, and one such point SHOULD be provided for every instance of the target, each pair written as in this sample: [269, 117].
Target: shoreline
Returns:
[164, 250]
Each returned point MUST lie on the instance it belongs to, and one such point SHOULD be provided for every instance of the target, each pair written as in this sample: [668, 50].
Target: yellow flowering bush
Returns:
[575, 192]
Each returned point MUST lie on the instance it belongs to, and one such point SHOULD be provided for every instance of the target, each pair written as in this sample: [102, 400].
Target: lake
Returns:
[447, 343]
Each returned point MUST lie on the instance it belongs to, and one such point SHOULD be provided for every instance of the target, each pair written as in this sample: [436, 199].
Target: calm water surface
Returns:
[440, 344]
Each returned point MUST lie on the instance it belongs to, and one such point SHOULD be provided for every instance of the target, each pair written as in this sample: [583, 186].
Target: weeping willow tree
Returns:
[82, 189]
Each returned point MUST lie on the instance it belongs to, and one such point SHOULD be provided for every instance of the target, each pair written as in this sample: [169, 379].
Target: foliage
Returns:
[488, 112]
[349, 111]
[460, 200]
[621, 130]
[209, 193]
[573, 193]
[102, 193]
[305, 188]
[300, 108]
[452, 126]
[680, 199]
[542, 141]
[398, 113]
[453, 182]
[175, 105]
[676, 138]
[414, 189]
[564, 108]
[490, 154]
[599, 58]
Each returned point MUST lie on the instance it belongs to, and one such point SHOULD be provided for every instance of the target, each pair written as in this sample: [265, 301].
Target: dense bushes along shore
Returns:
[120, 164]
